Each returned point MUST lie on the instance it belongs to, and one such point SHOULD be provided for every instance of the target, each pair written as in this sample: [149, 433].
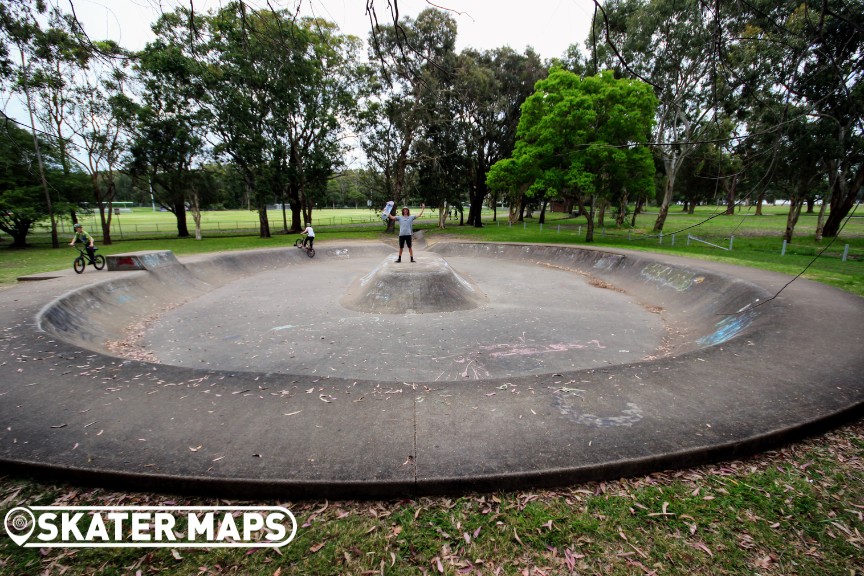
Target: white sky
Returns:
[549, 26]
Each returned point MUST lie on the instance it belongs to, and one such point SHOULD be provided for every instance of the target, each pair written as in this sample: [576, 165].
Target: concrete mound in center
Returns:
[427, 285]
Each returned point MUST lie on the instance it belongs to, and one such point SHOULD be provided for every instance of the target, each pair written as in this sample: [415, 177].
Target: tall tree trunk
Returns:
[792, 218]
[759, 201]
[672, 164]
[622, 211]
[195, 208]
[542, 219]
[104, 204]
[55, 242]
[476, 195]
[730, 184]
[589, 234]
[180, 214]
[296, 208]
[263, 222]
[842, 199]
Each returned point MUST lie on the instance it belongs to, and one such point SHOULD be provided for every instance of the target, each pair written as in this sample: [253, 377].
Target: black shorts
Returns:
[403, 240]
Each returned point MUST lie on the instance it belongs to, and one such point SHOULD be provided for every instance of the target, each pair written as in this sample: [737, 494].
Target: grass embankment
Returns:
[799, 510]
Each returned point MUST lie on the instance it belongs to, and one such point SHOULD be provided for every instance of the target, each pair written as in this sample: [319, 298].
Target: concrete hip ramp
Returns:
[244, 375]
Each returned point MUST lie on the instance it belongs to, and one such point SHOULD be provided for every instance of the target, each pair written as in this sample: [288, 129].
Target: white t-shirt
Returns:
[308, 231]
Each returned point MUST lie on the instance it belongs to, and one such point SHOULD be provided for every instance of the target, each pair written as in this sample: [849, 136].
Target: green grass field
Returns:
[756, 240]
[799, 510]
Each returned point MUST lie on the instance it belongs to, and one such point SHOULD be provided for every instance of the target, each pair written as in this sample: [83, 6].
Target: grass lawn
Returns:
[799, 510]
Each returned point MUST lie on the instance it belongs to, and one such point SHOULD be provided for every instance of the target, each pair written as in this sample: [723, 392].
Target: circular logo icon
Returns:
[20, 524]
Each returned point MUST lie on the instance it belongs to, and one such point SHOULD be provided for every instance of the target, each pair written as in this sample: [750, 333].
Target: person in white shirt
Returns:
[310, 235]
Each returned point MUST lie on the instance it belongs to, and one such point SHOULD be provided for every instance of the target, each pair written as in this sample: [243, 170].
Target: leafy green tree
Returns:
[410, 68]
[274, 91]
[489, 89]
[669, 44]
[21, 31]
[97, 120]
[310, 127]
[589, 134]
[168, 125]
[22, 202]
[809, 54]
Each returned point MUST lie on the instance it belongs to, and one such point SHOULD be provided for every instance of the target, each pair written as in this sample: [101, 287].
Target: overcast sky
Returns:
[549, 26]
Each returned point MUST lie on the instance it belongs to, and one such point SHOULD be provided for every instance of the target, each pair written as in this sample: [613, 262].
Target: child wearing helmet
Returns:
[309, 234]
[85, 238]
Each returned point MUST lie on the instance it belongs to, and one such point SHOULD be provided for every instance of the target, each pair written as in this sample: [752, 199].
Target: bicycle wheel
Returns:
[310, 252]
[298, 243]
[99, 262]
[79, 264]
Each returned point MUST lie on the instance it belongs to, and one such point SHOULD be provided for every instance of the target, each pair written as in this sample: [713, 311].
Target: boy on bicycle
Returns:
[310, 235]
[85, 238]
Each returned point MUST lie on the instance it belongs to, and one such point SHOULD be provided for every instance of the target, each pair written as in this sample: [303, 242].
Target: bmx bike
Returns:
[309, 250]
[83, 258]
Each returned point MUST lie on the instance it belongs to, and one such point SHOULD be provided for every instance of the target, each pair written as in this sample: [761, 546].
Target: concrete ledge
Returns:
[147, 260]
[753, 372]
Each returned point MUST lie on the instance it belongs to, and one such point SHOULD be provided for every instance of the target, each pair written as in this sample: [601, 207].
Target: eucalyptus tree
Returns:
[239, 54]
[440, 160]
[167, 123]
[815, 54]
[61, 56]
[489, 89]
[588, 134]
[22, 201]
[409, 67]
[20, 32]
[671, 45]
[312, 126]
[97, 120]
[275, 92]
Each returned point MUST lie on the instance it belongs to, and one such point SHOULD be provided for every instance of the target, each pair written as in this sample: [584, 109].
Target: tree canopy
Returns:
[584, 134]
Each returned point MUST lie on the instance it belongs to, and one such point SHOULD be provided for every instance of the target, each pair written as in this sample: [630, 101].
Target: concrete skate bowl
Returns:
[731, 372]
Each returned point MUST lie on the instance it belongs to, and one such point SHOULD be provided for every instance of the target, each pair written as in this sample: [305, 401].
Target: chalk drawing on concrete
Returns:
[678, 279]
[569, 403]
[728, 327]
